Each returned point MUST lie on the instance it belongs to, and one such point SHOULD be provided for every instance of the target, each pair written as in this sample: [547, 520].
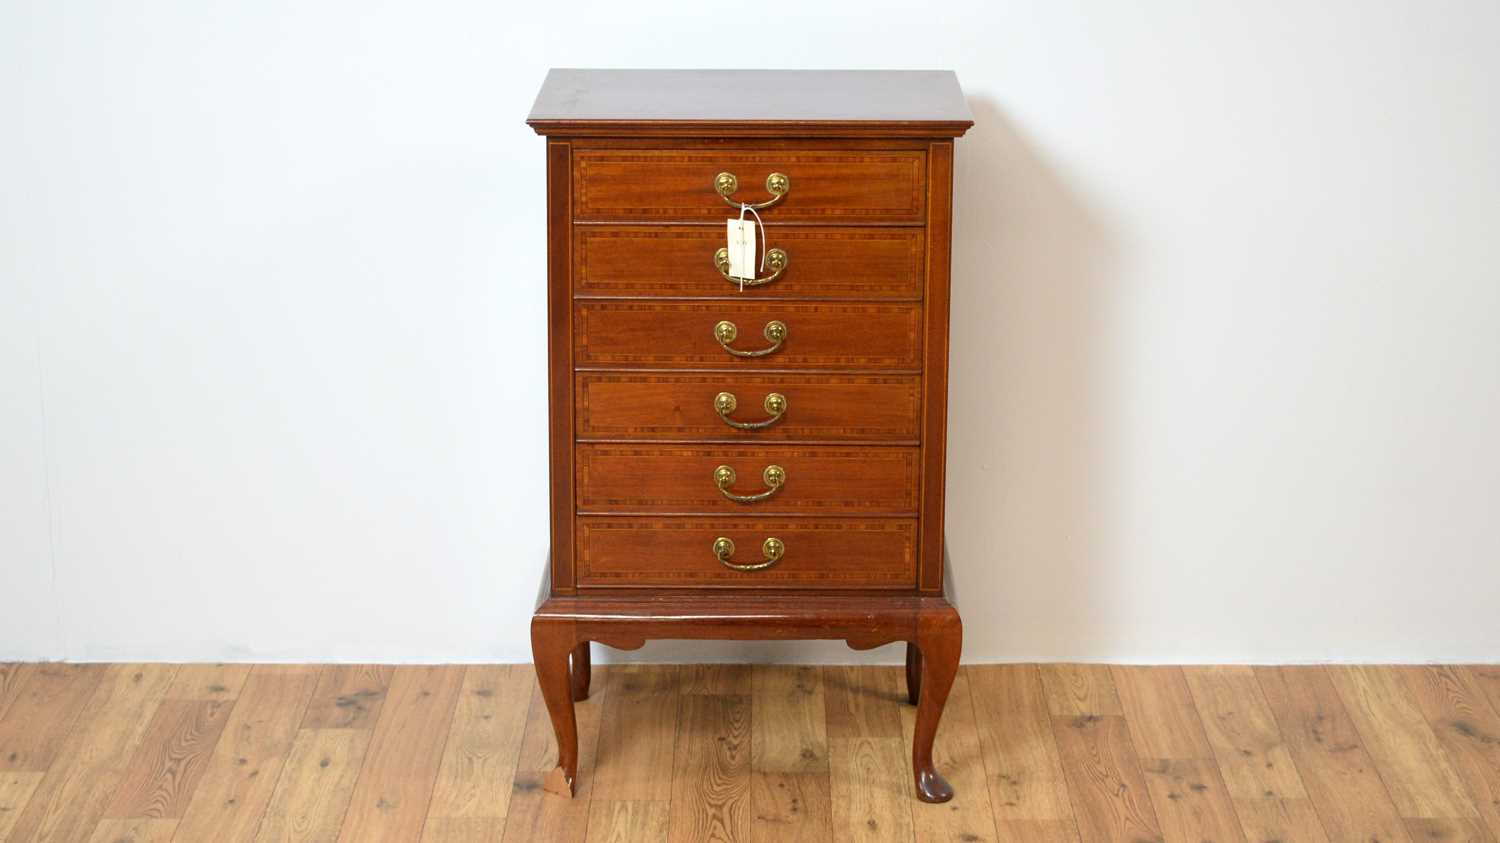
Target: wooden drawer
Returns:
[638, 406]
[685, 334]
[678, 260]
[818, 552]
[681, 480]
[678, 184]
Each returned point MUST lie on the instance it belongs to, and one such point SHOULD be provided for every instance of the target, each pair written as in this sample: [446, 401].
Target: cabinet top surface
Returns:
[714, 102]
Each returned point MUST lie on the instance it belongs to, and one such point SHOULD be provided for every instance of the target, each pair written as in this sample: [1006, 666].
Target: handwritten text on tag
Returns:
[741, 248]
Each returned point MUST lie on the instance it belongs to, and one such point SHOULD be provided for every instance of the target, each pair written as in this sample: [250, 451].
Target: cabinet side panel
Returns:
[935, 367]
[560, 360]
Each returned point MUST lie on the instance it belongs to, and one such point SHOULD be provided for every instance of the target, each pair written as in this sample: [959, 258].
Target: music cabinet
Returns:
[748, 453]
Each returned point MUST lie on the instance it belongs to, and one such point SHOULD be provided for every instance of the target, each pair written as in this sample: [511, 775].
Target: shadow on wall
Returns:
[1026, 466]
[1024, 508]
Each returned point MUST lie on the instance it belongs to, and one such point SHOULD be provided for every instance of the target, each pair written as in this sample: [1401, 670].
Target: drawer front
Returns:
[815, 336]
[666, 479]
[822, 262]
[816, 552]
[872, 408]
[671, 184]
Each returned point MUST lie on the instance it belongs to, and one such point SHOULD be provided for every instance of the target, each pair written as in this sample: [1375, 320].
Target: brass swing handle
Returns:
[771, 548]
[773, 475]
[775, 258]
[777, 184]
[725, 403]
[726, 332]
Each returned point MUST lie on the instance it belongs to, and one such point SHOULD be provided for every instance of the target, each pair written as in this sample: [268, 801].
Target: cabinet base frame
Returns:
[563, 627]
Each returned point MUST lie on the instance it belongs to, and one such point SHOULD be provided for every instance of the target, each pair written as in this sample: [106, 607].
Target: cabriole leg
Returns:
[939, 640]
[913, 673]
[581, 671]
[552, 640]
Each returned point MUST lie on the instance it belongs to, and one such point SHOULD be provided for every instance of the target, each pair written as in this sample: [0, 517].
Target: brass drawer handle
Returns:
[725, 403]
[774, 477]
[777, 184]
[771, 548]
[726, 332]
[775, 258]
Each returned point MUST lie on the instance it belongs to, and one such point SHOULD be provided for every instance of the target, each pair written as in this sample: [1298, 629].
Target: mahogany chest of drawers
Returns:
[758, 456]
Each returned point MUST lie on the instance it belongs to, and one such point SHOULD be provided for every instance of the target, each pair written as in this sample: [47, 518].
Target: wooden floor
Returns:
[154, 753]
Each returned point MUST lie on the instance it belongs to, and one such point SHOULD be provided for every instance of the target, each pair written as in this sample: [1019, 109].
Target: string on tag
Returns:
[761, 245]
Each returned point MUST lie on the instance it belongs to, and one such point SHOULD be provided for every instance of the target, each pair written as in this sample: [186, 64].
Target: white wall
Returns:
[1226, 378]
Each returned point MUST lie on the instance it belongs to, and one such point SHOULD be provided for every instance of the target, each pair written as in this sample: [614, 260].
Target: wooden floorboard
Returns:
[1080, 689]
[15, 792]
[711, 769]
[479, 758]
[12, 677]
[1346, 789]
[167, 765]
[1416, 771]
[638, 734]
[1160, 711]
[1027, 788]
[789, 785]
[1105, 779]
[1253, 760]
[45, 702]
[1053, 753]
[312, 794]
[230, 802]
[1183, 780]
[394, 789]
[209, 681]
[870, 777]
[1190, 801]
[134, 831]
[1104, 772]
[349, 696]
[92, 761]
[1468, 728]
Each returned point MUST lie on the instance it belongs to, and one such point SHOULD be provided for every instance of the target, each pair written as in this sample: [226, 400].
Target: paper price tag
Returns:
[742, 249]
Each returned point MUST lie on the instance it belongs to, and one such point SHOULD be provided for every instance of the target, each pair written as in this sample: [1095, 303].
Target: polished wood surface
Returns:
[820, 553]
[864, 357]
[775, 753]
[676, 184]
[841, 348]
[827, 408]
[901, 103]
[679, 480]
[935, 363]
[675, 334]
[560, 383]
[677, 261]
